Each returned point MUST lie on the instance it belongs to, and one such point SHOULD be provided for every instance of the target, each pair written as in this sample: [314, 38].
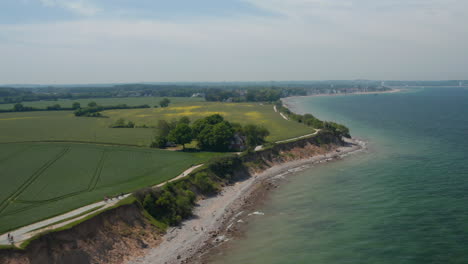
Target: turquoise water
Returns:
[403, 201]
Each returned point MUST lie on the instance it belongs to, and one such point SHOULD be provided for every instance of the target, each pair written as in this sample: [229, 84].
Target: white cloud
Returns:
[305, 42]
[80, 7]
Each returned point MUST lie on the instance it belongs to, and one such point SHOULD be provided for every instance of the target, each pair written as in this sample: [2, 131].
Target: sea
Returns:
[403, 200]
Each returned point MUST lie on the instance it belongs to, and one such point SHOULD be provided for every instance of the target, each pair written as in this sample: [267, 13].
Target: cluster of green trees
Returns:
[121, 123]
[212, 133]
[93, 109]
[164, 102]
[18, 107]
[314, 122]
[174, 202]
[252, 94]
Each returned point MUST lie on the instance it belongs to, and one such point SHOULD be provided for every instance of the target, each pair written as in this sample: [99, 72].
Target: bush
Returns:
[204, 184]
[159, 142]
[224, 167]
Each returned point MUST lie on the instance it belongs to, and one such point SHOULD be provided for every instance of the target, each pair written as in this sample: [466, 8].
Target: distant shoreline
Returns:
[289, 101]
[344, 94]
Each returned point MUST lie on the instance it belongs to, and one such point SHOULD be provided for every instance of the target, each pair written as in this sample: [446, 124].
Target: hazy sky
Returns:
[103, 41]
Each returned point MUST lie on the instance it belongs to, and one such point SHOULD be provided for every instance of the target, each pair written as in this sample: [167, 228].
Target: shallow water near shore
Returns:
[405, 200]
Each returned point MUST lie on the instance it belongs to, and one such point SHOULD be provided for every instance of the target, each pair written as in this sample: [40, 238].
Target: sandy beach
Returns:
[215, 218]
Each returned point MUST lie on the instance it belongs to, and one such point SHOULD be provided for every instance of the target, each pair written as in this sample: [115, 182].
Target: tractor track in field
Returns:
[97, 172]
[91, 186]
[4, 204]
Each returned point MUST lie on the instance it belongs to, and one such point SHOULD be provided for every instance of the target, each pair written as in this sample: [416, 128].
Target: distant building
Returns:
[198, 95]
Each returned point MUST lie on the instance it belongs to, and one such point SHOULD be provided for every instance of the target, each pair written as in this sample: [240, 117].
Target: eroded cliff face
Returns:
[111, 237]
[122, 233]
[296, 150]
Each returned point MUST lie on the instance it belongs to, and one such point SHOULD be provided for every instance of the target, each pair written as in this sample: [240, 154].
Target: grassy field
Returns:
[40, 180]
[244, 113]
[132, 101]
[63, 125]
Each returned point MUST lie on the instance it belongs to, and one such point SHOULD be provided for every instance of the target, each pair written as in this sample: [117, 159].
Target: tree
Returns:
[202, 123]
[119, 123]
[76, 105]
[163, 128]
[337, 129]
[182, 135]
[159, 142]
[164, 102]
[184, 120]
[92, 104]
[18, 107]
[216, 137]
[54, 107]
[255, 135]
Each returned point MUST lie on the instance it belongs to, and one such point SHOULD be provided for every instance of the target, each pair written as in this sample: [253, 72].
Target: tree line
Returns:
[235, 92]
[312, 121]
[93, 109]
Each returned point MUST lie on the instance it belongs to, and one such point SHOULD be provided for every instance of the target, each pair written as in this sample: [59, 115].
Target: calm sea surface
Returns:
[404, 201]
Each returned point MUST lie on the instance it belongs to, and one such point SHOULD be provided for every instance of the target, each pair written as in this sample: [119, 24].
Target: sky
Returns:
[115, 41]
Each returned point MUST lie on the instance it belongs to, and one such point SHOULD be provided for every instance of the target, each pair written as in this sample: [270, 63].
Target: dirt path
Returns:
[26, 232]
[284, 116]
[260, 147]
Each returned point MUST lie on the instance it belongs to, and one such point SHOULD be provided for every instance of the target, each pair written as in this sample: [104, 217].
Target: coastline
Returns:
[289, 101]
[393, 90]
[216, 219]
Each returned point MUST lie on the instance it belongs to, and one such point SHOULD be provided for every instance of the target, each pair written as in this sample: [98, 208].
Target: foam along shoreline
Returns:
[215, 217]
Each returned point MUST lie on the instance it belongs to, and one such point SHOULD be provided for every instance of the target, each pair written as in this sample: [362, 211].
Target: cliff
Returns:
[120, 233]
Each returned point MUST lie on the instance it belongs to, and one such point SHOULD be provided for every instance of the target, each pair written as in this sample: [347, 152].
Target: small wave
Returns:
[256, 213]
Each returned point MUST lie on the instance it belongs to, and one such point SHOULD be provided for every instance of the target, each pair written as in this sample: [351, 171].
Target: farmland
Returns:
[151, 101]
[243, 113]
[40, 180]
[52, 161]
[64, 126]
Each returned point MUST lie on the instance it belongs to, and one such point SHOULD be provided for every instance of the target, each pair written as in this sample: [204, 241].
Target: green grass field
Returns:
[40, 180]
[151, 101]
[63, 125]
[244, 113]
